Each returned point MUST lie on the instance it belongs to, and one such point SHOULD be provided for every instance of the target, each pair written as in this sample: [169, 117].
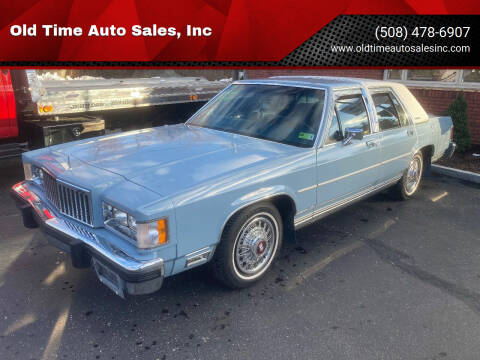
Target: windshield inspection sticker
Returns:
[305, 136]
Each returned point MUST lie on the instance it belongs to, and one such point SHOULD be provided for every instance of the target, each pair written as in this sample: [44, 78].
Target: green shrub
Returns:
[461, 132]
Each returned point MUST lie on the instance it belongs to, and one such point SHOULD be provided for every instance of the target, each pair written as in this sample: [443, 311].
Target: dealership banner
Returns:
[239, 33]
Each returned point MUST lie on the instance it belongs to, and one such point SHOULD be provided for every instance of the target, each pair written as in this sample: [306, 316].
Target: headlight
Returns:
[147, 235]
[33, 173]
[119, 220]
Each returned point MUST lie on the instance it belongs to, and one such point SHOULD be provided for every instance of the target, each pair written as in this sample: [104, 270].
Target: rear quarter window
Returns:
[412, 106]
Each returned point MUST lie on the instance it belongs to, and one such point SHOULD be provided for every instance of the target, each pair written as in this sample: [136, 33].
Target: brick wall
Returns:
[435, 101]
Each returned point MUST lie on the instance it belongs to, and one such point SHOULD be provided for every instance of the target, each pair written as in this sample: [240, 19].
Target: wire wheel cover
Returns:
[255, 244]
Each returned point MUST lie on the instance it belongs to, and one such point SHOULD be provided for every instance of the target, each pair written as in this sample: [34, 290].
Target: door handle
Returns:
[371, 143]
[410, 132]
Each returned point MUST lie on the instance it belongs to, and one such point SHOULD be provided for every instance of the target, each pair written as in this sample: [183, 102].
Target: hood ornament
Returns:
[66, 165]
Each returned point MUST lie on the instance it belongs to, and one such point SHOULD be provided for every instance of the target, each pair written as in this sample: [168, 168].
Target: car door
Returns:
[346, 169]
[398, 133]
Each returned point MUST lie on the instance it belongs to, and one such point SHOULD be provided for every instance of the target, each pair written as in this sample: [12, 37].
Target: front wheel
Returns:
[250, 241]
[410, 181]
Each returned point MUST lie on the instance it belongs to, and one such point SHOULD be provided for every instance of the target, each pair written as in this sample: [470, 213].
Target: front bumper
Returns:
[120, 272]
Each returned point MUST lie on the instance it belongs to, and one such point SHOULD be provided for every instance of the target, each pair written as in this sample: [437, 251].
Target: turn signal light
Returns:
[152, 234]
[162, 231]
[45, 109]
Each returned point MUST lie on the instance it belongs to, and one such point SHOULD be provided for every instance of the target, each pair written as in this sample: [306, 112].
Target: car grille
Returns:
[68, 199]
[79, 230]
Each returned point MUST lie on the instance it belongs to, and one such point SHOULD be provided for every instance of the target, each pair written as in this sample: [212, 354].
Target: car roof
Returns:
[316, 81]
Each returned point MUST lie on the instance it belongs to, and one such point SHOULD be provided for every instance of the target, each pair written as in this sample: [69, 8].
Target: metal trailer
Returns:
[49, 109]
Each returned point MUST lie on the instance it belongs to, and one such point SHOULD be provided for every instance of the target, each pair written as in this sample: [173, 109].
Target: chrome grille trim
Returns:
[70, 200]
[79, 230]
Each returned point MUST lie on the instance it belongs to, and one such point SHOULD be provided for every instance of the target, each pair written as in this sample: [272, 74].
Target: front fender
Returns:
[200, 223]
[261, 195]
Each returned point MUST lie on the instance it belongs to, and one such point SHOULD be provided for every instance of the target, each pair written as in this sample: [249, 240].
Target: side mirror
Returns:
[352, 133]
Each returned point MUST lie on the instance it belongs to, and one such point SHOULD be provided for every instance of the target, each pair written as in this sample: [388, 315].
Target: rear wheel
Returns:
[410, 181]
[250, 241]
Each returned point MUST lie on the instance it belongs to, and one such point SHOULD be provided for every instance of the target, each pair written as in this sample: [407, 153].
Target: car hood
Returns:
[170, 158]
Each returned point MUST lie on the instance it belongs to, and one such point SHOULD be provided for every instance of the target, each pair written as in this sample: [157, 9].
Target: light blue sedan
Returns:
[259, 160]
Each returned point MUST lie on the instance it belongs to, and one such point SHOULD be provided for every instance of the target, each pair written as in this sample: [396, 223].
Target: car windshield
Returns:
[285, 114]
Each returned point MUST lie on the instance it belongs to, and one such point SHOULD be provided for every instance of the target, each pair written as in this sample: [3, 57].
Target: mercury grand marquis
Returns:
[259, 160]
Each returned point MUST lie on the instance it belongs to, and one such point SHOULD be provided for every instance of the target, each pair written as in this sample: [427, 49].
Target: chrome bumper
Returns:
[116, 269]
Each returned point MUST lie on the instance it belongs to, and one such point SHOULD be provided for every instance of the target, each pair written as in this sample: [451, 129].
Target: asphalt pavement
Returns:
[382, 279]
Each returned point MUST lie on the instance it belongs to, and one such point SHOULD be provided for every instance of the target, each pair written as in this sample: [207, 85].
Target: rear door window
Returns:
[402, 115]
[387, 114]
